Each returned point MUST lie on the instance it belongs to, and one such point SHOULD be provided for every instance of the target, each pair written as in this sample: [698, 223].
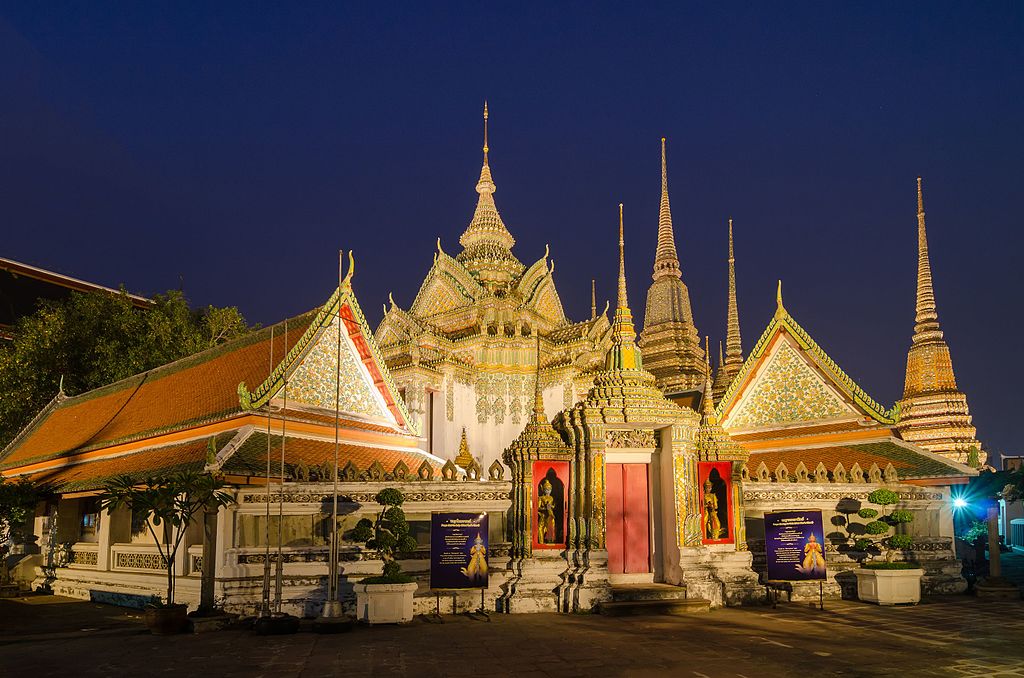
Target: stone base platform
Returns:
[642, 599]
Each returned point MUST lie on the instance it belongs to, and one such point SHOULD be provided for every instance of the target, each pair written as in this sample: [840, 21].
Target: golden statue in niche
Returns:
[546, 514]
[712, 524]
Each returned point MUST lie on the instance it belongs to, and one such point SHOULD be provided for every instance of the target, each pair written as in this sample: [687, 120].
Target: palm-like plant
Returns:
[17, 500]
[172, 502]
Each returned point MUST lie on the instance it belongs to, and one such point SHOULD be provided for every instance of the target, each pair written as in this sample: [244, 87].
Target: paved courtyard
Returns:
[953, 636]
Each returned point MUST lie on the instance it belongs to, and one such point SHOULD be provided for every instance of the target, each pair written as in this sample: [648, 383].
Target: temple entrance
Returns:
[628, 518]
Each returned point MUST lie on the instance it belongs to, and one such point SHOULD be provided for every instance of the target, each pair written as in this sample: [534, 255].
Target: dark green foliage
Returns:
[863, 544]
[979, 528]
[388, 536]
[883, 497]
[17, 502]
[172, 502]
[91, 340]
[900, 541]
[867, 513]
[876, 527]
[901, 516]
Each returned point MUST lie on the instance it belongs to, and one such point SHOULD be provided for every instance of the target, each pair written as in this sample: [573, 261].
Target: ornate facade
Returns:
[464, 353]
[669, 338]
[933, 412]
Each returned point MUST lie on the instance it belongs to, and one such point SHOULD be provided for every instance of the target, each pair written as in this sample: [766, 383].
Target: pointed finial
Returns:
[60, 386]
[623, 301]
[779, 308]
[347, 280]
[593, 298]
[707, 401]
[538, 394]
[664, 167]
[486, 147]
[391, 299]
[721, 360]
[920, 198]
[733, 343]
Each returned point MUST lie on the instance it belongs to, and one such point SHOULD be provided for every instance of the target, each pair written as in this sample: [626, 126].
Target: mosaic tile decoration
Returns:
[788, 390]
[313, 382]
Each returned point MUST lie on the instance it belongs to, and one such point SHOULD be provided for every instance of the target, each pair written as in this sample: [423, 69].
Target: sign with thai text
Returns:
[458, 551]
[794, 543]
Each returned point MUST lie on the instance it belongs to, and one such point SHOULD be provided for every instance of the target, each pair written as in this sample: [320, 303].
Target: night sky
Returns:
[233, 149]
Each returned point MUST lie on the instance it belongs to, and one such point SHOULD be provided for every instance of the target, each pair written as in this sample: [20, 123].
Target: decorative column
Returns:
[994, 586]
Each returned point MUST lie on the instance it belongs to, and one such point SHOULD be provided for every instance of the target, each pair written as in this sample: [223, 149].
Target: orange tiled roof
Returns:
[908, 463]
[197, 389]
[251, 458]
[810, 429]
[92, 475]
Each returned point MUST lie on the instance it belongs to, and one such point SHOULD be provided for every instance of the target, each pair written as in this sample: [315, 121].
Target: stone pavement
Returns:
[951, 636]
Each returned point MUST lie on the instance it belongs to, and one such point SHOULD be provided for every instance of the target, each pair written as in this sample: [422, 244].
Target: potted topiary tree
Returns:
[387, 598]
[885, 580]
[171, 503]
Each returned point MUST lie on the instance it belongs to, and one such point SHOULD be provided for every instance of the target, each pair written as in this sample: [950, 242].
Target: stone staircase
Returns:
[646, 599]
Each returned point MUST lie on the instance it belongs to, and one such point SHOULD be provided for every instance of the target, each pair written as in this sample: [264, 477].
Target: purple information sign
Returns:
[794, 543]
[458, 551]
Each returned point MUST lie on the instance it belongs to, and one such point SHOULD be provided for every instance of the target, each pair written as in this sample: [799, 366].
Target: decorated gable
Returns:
[448, 286]
[787, 389]
[313, 383]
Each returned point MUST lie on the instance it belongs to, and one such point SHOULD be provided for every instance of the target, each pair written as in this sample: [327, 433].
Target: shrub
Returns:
[867, 513]
[877, 527]
[888, 565]
[900, 541]
[883, 497]
[388, 535]
[901, 516]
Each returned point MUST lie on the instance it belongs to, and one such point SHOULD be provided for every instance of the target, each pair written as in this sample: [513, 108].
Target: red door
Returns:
[628, 534]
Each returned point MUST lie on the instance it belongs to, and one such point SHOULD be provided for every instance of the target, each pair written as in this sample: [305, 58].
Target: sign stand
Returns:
[481, 614]
[435, 618]
[821, 595]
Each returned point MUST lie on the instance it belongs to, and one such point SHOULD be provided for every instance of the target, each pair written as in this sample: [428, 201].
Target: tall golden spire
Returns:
[926, 323]
[593, 298]
[666, 261]
[486, 148]
[733, 344]
[933, 412]
[708, 400]
[721, 360]
[624, 354]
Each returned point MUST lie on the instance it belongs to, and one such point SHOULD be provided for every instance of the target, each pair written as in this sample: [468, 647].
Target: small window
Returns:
[90, 525]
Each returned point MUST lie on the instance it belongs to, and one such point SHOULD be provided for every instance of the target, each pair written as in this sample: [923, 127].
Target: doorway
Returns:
[628, 534]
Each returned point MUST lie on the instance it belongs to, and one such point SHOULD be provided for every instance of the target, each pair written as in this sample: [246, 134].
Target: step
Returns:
[624, 608]
[648, 591]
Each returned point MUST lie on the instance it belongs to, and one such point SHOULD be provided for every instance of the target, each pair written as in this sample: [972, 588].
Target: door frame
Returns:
[654, 519]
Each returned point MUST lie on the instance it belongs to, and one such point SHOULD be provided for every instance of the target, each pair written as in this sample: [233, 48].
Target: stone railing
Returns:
[138, 558]
[83, 555]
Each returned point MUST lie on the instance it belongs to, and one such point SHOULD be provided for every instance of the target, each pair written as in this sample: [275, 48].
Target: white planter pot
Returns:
[384, 603]
[889, 587]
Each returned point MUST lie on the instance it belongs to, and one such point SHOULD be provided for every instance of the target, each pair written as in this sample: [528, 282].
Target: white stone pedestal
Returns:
[384, 603]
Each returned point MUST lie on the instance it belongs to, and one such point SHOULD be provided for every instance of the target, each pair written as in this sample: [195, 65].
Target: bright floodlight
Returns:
[959, 502]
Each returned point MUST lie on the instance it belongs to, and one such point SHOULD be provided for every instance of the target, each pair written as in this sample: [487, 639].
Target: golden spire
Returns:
[666, 261]
[623, 301]
[538, 394]
[926, 323]
[624, 354]
[721, 361]
[464, 459]
[733, 344]
[708, 400]
[486, 239]
[780, 310]
[593, 298]
[486, 149]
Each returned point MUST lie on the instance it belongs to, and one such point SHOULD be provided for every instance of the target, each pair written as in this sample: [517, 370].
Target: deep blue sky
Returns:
[237, 147]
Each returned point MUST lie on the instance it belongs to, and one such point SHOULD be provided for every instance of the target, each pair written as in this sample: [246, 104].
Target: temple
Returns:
[618, 474]
[463, 354]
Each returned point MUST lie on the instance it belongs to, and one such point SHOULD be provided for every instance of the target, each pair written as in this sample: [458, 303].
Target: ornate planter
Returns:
[889, 587]
[162, 621]
[384, 603]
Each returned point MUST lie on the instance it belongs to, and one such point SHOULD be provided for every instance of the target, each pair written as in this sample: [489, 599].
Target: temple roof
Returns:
[910, 463]
[766, 383]
[209, 387]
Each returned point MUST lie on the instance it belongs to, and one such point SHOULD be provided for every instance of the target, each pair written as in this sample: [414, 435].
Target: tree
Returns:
[17, 502]
[90, 340]
[171, 503]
